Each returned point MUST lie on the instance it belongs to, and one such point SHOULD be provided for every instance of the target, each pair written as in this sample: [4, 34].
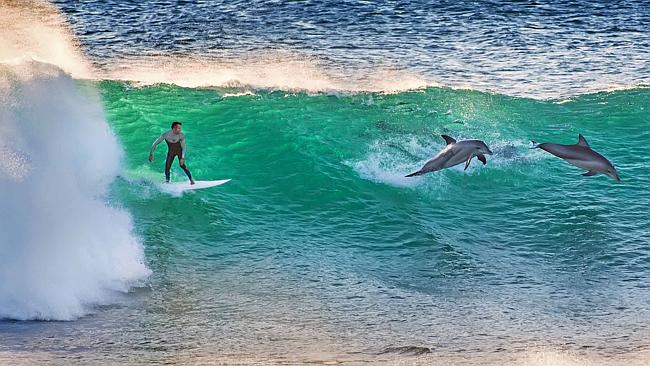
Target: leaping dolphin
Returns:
[582, 156]
[455, 153]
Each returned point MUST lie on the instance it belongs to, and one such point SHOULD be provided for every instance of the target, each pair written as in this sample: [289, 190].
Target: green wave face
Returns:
[318, 204]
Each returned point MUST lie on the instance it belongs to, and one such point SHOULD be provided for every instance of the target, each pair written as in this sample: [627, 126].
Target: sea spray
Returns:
[35, 30]
[63, 246]
[266, 70]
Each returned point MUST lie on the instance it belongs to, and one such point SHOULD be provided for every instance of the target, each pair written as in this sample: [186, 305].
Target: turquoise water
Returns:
[321, 240]
[319, 249]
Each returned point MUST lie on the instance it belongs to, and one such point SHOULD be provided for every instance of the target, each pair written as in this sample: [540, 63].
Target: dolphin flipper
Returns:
[467, 162]
[482, 158]
[419, 172]
[590, 173]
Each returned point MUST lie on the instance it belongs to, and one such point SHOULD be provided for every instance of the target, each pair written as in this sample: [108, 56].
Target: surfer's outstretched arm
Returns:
[155, 143]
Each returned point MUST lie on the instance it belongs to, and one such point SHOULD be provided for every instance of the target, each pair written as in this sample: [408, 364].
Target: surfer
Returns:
[176, 147]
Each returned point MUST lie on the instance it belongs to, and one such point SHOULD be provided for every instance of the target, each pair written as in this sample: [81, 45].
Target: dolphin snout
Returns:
[613, 174]
[489, 152]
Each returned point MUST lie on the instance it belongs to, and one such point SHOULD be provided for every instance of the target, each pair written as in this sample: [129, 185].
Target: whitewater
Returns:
[64, 246]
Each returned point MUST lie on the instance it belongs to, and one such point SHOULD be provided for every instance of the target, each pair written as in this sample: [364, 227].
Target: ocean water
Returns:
[320, 250]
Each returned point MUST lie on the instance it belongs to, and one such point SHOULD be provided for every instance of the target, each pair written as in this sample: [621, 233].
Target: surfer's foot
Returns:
[192, 182]
[166, 182]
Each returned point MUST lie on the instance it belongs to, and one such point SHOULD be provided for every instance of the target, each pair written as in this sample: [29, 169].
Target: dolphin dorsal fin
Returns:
[448, 139]
[582, 141]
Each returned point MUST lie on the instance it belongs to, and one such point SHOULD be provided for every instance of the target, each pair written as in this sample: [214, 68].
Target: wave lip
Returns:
[284, 71]
[264, 71]
[63, 247]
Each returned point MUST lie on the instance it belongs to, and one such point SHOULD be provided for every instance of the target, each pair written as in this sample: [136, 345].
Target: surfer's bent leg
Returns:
[168, 165]
[187, 171]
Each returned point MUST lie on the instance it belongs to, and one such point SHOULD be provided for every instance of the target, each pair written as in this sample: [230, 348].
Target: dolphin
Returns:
[455, 153]
[582, 156]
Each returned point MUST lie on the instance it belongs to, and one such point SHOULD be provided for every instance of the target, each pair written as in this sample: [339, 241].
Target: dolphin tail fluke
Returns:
[419, 172]
[535, 144]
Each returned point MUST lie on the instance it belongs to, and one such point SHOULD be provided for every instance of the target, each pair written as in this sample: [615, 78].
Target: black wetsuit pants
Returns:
[174, 150]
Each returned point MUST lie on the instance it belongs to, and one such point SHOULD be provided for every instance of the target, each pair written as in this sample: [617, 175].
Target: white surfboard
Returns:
[180, 187]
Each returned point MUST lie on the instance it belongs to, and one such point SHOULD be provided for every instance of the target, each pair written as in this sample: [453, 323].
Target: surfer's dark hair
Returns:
[176, 123]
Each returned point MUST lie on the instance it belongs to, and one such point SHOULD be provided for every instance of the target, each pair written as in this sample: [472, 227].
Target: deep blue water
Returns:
[535, 48]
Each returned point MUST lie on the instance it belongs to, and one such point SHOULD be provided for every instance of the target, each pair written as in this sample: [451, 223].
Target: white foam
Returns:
[62, 246]
[389, 160]
[385, 163]
[291, 71]
[235, 95]
[277, 71]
